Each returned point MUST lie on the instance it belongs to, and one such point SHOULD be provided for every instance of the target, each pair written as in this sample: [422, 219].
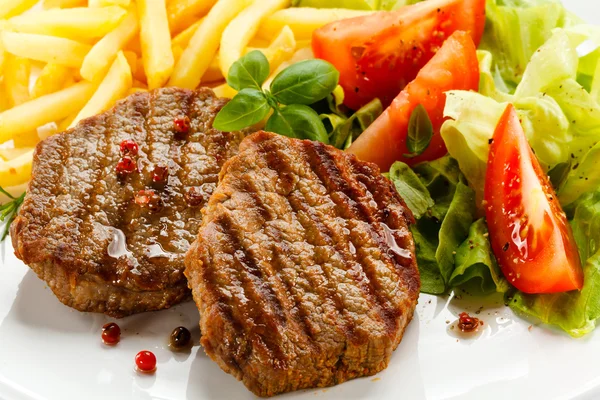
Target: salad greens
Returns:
[545, 62]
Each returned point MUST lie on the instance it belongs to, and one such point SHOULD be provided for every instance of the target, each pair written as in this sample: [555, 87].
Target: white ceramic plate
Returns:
[48, 351]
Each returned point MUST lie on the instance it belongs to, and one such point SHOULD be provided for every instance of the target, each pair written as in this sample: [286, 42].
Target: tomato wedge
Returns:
[379, 54]
[529, 232]
[454, 67]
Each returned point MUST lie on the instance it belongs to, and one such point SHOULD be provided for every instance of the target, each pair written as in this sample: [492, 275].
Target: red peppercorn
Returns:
[194, 197]
[111, 333]
[160, 174]
[468, 324]
[126, 166]
[182, 127]
[145, 361]
[129, 147]
[150, 199]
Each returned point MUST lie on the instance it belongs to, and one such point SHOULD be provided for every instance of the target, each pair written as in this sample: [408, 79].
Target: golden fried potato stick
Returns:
[80, 23]
[52, 78]
[238, 33]
[204, 44]
[29, 116]
[49, 49]
[10, 8]
[184, 13]
[103, 53]
[304, 20]
[113, 87]
[16, 79]
[48, 4]
[155, 37]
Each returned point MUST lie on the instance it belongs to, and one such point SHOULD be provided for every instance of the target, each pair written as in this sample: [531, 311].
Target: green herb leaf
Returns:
[343, 131]
[410, 187]
[305, 82]
[476, 265]
[298, 121]
[420, 131]
[247, 108]
[250, 71]
[9, 212]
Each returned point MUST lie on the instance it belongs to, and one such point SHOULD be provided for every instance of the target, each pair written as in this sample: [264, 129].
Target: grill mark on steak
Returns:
[291, 207]
[297, 204]
[350, 208]
[75, 202]
[254, 287]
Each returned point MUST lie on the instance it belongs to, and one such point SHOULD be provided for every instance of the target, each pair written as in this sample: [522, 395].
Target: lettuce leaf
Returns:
[559, 116]
[476, 265]
[444, 207]
[515, 29]
[575, 312]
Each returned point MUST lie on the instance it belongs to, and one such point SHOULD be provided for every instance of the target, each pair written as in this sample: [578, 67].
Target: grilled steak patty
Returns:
[304, 269]
[100, 244]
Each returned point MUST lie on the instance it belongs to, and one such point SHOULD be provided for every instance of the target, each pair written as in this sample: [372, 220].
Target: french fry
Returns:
[224, 90]
[304, 20]
[282, 48]
[213, 73]
[139, 74]
[49, 49]
[132, 60]
[10, 8]
[155, 37]
[17, 170]
[108, 3]
[183, 13]
[203, 45]
[8, 153]
[45, 131]
[52, 78]
[48, 4]
[52, 107]
[238, 33]
[26, 139]
[81, 23]
[113, 87]
[182, 39]
[100, 57]
[4, 100]
[16, 79]
[66, 123]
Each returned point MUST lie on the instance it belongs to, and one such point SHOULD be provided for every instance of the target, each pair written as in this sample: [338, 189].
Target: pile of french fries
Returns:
[65, 60]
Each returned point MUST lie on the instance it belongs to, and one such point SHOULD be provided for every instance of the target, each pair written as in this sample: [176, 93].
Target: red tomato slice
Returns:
[530, 235]
[454, 67]
[379, 54]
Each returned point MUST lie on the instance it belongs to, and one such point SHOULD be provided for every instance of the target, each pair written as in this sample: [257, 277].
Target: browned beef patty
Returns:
[304, 268]
[82, 230]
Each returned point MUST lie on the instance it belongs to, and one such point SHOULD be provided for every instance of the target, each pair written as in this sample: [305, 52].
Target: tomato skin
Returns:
[379, 54]
[529, 231]
[454, 67]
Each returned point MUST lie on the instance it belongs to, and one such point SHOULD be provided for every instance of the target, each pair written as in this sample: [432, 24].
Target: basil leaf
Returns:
[420, 131]
[250, 71]
[411, 188]
[305, 82]
[298, 121]
[247, 108]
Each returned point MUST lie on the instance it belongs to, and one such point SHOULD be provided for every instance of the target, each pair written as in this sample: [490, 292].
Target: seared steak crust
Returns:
[80, 228]
[304, 269]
